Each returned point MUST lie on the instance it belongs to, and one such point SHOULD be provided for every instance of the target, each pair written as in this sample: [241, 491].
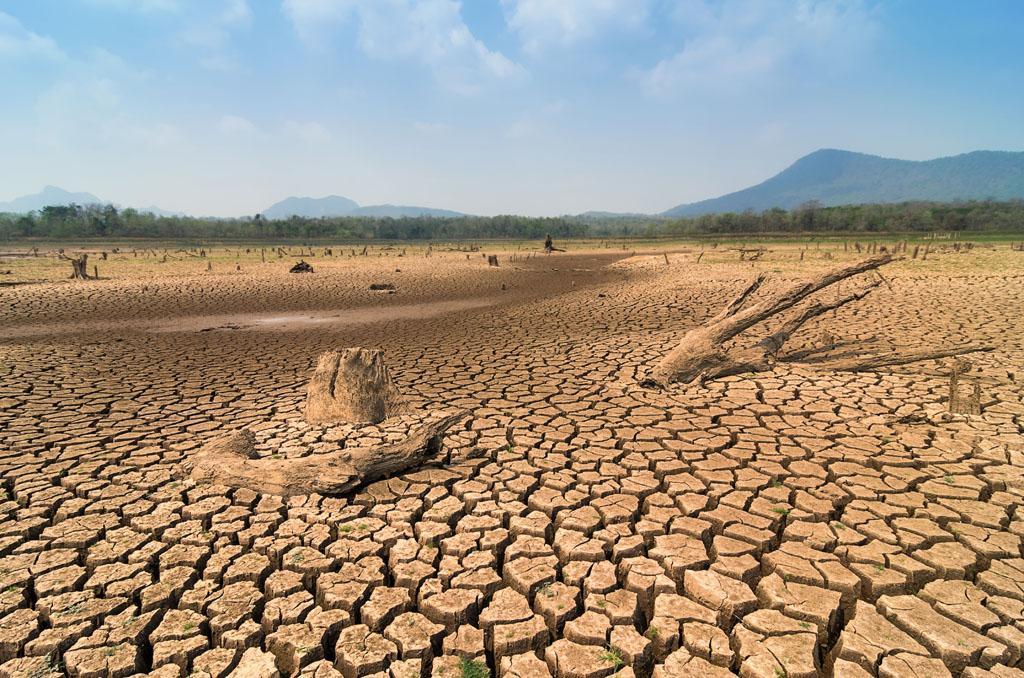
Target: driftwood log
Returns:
[351, 385]
[231, 461]
[702, 354]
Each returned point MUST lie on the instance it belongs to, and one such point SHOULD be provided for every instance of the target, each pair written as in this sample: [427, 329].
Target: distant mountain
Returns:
[54, 195]
[338, 206]
[398, 211]
[598, 214]
[157, 212]
[50, 195]
[835, 177]
[331, 206]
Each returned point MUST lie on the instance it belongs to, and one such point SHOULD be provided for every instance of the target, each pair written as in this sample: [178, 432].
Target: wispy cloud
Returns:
[432, 128]
[236, 125]
[85, 106]
[211, 29]
[543, 24]
[17, 42]
[309, 132]
[431, 32]
[735, 43]
[236, 13]
[205, 27]
[140, 6]
[532, 122]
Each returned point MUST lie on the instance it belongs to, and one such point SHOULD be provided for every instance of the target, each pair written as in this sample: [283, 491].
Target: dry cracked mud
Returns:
[795, 523]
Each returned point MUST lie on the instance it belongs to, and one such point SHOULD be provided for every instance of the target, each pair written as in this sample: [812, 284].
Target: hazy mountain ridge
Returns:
[339, 206]
[53, 196]
[837, 177]
[829, 176]
[50, 195]
[397, 211]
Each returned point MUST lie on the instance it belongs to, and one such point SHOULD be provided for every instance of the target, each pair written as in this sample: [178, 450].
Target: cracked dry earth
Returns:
[794, 523]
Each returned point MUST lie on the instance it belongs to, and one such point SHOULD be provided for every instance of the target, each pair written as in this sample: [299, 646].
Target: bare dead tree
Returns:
[701, 354]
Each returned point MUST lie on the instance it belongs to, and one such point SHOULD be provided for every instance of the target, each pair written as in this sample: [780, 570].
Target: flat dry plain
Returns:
[795, 523]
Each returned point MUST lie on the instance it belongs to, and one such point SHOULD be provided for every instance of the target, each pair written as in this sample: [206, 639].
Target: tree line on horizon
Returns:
[106, 221]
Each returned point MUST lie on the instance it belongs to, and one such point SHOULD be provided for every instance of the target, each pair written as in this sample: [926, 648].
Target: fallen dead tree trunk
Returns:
[231, 461]
[701, 354]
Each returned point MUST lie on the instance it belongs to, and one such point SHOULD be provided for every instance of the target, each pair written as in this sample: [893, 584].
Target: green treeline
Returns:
[106, 221]
[908, 217]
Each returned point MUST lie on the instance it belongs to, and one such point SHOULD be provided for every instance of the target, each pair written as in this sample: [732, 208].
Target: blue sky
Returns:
[222, 107]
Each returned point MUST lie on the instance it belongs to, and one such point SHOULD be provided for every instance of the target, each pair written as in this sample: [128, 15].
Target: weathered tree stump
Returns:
[549, 245]
[958, 404]
[492, 259]
[79, 266]
[301, 267]
[351, 385]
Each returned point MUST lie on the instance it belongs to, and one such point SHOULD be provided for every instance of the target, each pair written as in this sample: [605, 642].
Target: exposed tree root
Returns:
[231, 461]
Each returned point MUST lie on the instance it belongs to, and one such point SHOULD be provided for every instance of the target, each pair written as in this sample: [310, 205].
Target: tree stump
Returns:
[549, 245]
[351, 385]
[79, 266]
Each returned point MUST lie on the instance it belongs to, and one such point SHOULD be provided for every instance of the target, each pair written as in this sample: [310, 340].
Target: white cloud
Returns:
[431, 32]
[236, 13]
[533, 122]
[236, 124]
[211, 30]
[143, 6]
[18, 42]
[160, 135]
[431, 128]
[542, 24]
[86, 107]
[308, 132]
[736, 43]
